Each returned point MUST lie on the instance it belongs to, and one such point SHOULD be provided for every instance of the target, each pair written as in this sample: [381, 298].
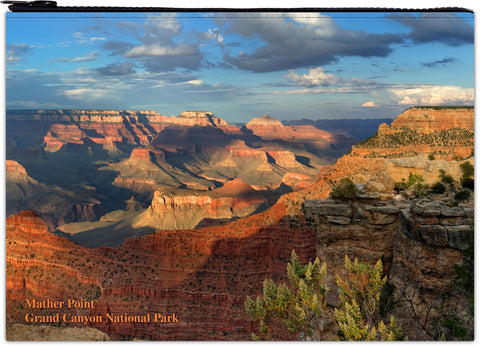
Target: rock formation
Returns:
[56, 206]
[419, 242]
[270, 128]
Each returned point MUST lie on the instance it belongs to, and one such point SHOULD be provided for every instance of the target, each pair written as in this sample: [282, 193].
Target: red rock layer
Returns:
[203, 276]
[102, 127]
[428, 120]
[270, 128]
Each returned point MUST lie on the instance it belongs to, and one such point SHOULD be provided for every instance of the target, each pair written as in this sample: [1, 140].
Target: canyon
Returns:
[93, 161]
[203, 275]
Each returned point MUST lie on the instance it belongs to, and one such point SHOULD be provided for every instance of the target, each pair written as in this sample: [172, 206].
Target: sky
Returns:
[241, 65]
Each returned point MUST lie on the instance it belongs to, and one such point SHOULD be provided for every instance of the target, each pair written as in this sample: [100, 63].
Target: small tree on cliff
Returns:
[346, 190]
[297, 306]
[467, 172]
[358, 318]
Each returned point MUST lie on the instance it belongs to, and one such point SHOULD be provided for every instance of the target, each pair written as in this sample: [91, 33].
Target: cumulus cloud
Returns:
[435, 95]
[161, 47]
[315, 77]
[443, 62]
[116, 69]
[292, 42]
[369, 104]
[89, 57]
[446, 28]
[17, 52]
[318, 81]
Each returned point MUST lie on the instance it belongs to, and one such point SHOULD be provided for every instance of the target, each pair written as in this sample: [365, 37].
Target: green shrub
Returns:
[467, 183]
[399, 186]
[346, 190]
[448, 179]
[438, 188]
[413, 179]
[467, 169]
[462, 195]
[431, 157]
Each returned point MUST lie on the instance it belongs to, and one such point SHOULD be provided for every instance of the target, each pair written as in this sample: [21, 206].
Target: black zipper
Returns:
[51, 6]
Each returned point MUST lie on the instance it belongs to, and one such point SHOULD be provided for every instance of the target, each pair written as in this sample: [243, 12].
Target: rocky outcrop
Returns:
[57, 206]
[16, 172]
[270, 128]
[395, 152]
[427, 120]
[200, 118]
[297, 181]
[147, 155]
[180, 211]
[419, 242]
[363, 229]
[444, 133]
[429, 245]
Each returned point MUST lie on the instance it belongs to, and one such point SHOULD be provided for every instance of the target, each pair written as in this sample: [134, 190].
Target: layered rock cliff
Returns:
[270, 128]
[102, 127]
[170, 210]
[419, 242]
[56, 206]
[202, 275]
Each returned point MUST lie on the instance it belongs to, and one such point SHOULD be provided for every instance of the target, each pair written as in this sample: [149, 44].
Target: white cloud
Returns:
[315, 77]
[17, 52]
[89, 57]
[435, 95]
[369, 104]
[164, 22]
[157, 50]
[194, 82]
[322, 25]
[81, 93]
[92, 39]
[82, 39]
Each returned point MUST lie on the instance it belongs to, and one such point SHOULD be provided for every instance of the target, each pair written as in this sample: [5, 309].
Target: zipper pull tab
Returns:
[25, 5]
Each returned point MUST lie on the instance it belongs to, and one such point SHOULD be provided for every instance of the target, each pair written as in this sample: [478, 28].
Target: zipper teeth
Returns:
[46, 8]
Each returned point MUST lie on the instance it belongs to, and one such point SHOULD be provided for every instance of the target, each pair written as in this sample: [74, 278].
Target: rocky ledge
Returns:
[420, 242]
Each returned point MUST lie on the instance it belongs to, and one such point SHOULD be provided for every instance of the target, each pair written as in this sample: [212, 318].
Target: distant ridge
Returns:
[360, 129]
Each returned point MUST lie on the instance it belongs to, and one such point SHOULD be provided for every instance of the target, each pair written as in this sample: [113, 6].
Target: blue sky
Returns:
[240, 66]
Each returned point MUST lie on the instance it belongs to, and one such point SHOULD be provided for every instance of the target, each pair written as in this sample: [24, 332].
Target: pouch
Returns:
[237, 174]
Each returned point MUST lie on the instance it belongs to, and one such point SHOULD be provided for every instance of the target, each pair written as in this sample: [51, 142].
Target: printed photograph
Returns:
[239, 176]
